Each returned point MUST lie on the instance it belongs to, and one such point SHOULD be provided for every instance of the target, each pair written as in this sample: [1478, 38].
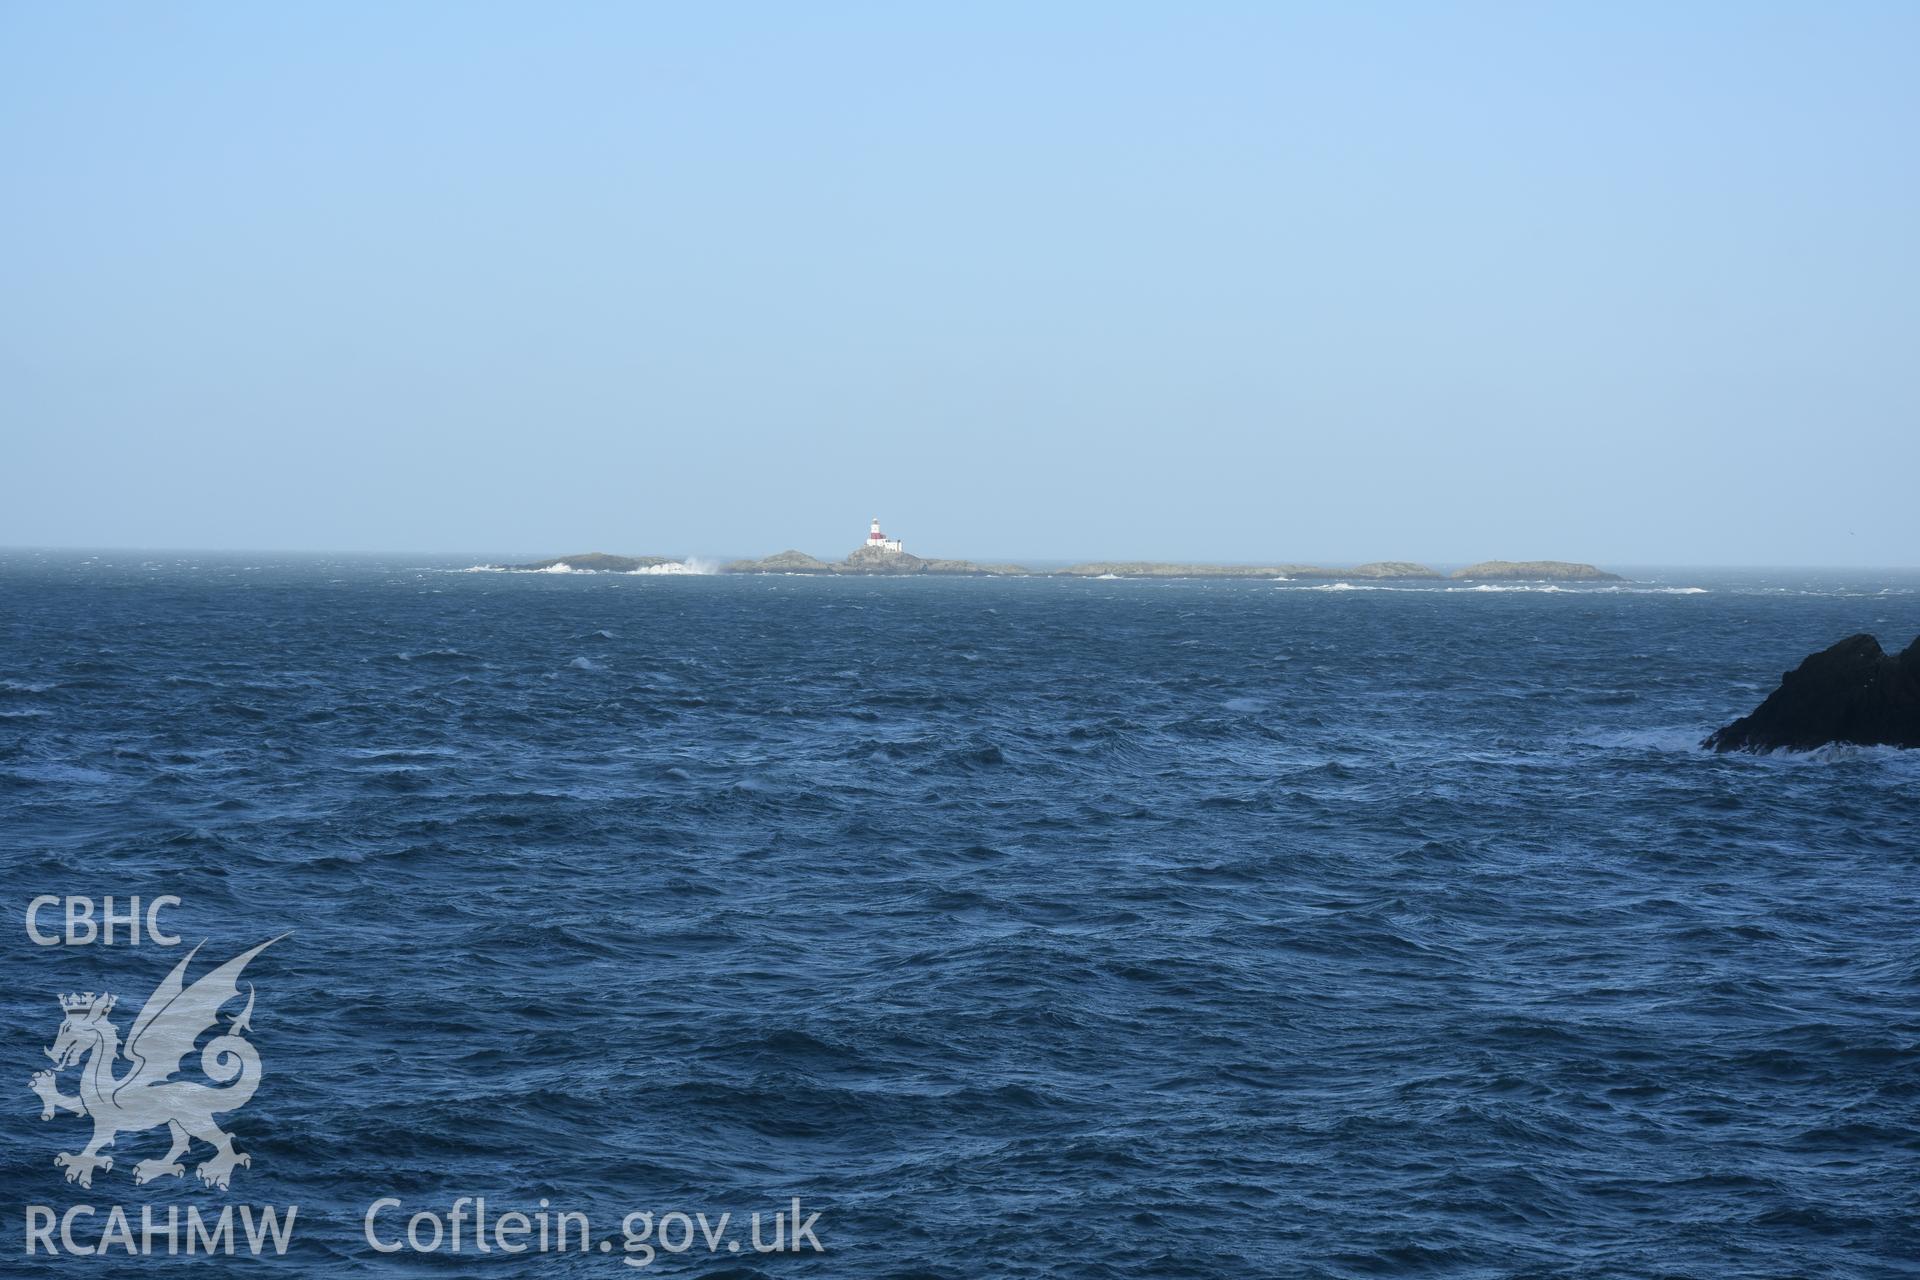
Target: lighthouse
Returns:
[878, 541]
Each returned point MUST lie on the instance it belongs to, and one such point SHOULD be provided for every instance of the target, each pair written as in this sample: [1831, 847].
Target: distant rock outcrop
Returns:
[869, 560]
[590, 562]
[783, 562]
[1853, 692]
[967, 568]
[882, 560]
[1377, 569]
[877, 560]
[1156, 569]
[1536, 571]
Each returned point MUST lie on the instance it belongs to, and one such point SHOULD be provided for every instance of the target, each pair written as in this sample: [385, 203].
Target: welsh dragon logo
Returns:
[146, 1096]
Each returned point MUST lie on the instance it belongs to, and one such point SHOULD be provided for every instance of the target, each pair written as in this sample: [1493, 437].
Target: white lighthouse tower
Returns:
[878, 541]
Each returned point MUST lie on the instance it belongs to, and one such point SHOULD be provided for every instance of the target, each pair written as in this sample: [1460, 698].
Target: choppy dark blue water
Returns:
[1022, 928]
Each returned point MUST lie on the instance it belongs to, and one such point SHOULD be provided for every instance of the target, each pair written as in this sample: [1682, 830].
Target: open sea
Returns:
[1018, 928]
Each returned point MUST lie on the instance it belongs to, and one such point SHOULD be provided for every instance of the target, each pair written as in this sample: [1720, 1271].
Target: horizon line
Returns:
[15, 548]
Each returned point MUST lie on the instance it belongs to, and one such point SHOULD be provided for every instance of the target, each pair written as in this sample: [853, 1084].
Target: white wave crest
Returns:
[690, 565]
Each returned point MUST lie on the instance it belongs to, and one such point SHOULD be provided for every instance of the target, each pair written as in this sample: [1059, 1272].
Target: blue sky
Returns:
[1628, 283]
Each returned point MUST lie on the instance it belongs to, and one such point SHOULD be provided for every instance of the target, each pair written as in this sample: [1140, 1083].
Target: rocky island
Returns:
[594, 562]
[1391, 569]
[1535, 571]
[882, 555]
[1853, 692]
[869, 560]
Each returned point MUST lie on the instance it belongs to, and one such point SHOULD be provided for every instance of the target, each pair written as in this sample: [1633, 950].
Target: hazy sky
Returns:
[1631, 283]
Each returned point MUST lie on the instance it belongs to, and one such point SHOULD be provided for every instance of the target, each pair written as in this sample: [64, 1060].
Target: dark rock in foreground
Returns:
[1853, 692]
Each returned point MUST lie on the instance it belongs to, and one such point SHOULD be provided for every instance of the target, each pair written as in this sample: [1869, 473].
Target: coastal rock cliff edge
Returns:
[1853, 692]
